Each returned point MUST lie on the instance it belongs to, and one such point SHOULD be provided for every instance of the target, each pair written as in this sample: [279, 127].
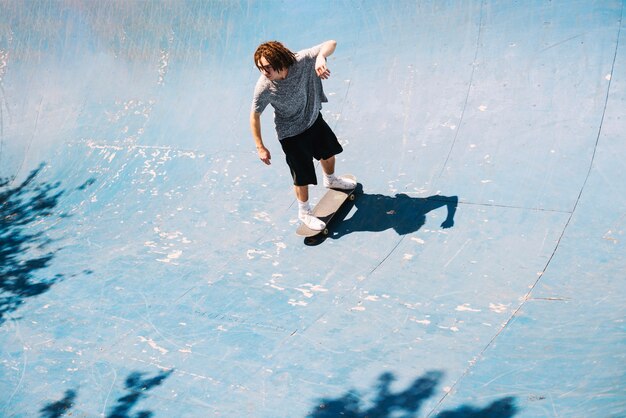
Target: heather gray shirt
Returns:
[297, 100]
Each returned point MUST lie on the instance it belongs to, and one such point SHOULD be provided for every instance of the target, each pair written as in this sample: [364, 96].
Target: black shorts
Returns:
[317, 142]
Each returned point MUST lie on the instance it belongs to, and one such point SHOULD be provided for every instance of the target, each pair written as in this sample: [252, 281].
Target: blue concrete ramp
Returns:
[149, 264]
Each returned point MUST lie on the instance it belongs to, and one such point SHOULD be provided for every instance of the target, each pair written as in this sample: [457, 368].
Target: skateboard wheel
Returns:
[325, 231]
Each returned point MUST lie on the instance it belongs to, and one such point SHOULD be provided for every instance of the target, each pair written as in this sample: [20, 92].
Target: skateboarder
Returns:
[291, 83]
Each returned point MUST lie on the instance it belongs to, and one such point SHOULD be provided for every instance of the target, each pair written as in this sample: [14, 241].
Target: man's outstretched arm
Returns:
[327, 49]
[255, 127]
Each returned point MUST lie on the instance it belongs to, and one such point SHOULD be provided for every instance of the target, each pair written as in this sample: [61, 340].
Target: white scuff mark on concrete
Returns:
[262, 216]
[171, 256]
[453, 329]
[418, 240]
[294, 302]
[163, 63]
[498, 307]
[274, 286]
[309, 289]
[316, 287]
[466, 308]
[449, 125]
[305, 292]
[279, 247]
[153, 345]
[253, 253]
[272, 282]
[4, 60]
[167, 235]
[250, 254]
[609, 236]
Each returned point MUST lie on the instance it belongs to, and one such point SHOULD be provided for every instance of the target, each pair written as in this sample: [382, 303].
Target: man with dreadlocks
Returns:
[291, 83]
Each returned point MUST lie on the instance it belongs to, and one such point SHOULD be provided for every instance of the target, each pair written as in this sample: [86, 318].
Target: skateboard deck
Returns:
[326, 208]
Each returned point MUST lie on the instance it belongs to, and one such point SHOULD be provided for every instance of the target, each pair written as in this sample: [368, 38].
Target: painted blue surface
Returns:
[149, 260]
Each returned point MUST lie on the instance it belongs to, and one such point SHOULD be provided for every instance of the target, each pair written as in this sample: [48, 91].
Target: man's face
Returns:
[269, 71]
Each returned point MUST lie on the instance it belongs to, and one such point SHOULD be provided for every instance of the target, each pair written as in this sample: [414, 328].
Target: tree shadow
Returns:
[23, 250]
[502, 408]
[405, 403]
[386, 403]
[402, 213]
[59, 408]
[137, 388]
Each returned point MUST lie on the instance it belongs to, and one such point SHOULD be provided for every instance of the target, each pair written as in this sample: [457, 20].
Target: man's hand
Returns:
[264, 155]
[326, 50]
[320, 67]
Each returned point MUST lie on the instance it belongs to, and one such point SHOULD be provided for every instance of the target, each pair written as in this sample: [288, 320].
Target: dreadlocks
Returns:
[276, 54]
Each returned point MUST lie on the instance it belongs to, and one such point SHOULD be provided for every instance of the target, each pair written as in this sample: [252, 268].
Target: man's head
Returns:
[273, 59]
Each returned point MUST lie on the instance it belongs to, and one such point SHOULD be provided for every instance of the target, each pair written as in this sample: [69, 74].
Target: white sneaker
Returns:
[339, 183]
[311, 221]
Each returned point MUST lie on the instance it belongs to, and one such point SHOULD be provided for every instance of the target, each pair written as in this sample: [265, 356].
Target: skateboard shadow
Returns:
[402, 213]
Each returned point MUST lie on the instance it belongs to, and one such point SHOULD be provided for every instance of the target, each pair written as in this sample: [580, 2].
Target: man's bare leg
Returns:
[302, 193]
[328, 165]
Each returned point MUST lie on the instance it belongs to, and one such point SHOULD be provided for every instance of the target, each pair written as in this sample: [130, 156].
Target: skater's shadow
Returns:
[402, 213]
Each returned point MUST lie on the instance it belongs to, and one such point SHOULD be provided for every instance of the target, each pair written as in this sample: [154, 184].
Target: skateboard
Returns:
[326, 208]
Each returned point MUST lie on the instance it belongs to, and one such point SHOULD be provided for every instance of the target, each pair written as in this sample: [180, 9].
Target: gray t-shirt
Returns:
[297, 100]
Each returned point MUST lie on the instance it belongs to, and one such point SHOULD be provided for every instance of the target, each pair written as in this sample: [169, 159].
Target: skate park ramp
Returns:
[149, 265]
